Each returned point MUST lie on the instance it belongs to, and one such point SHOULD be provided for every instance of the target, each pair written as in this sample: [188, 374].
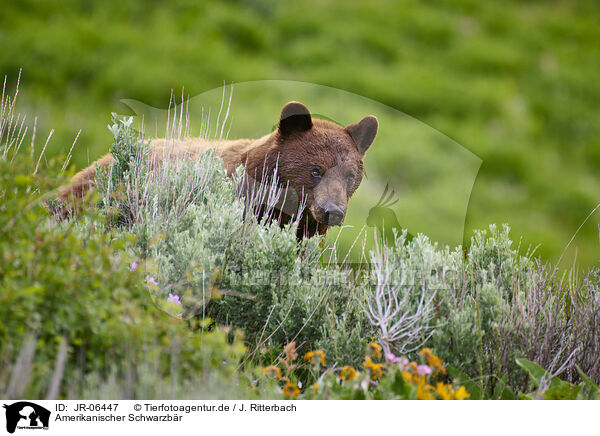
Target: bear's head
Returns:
[320, 160]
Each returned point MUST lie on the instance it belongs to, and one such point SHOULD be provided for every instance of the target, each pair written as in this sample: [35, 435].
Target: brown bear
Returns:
[318, 159]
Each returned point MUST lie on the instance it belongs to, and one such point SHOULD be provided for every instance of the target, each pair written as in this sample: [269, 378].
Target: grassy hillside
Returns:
[513, 83]
[169, 285]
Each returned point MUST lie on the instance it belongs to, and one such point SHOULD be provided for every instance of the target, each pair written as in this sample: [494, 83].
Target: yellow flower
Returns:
[444, 391]
[321, 355]
[437, 364]
[461, 394]
[272, 371]
[424, 390]
[374, 349]
[426, 352]
[315, 357]
[348, 373]
[411, 374]
[433, 361]
[316, 387]
[290, 390]
[376, 371]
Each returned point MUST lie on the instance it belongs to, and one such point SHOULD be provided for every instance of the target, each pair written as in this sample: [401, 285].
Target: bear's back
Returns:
[230, 151]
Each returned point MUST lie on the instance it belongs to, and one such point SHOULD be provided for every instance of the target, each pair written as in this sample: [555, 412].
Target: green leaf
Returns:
[32, 290]
[399, 386]
[358, 395]
[562, 391]
[503, 391]
[22, 180]
[592, 386]
[470, 385]
[535, 371]
[558, 390]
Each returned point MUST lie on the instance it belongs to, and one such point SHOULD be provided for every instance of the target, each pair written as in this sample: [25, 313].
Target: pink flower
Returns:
[390, 357]
[134, 266]
[423, 369]
[151, 280]
[174, 299]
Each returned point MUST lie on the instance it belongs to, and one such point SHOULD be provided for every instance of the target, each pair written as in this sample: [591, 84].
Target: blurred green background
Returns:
[514, 83]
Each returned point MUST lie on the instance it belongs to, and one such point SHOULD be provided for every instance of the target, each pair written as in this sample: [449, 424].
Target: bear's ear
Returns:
[295, 117]
[363, 132]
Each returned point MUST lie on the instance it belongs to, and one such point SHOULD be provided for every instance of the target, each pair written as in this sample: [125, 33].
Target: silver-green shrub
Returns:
[201, 242]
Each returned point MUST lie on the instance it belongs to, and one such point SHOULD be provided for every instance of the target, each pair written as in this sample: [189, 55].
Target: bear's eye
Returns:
[316, 172]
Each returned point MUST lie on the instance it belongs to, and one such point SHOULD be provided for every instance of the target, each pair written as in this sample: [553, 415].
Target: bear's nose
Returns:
[334, 214]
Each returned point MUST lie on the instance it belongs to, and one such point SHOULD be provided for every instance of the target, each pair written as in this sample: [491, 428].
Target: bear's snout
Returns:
[333, 214]
[329, 214]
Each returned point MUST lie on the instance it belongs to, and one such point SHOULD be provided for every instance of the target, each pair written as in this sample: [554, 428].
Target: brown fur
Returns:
[298, 147]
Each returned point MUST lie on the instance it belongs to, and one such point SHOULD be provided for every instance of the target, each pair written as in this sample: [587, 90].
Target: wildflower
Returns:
[390, 357]
[461, 394]
[290, 390]
[376, 371]
[433, 361]
[424, 390]
[316, 387]
[407, 376]
[423, 370]
[173, 298]
[134, 266]
[151, 280]
[374, 349]
[315, 357]
[272, 371]
[444, 391]
[348, 373]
